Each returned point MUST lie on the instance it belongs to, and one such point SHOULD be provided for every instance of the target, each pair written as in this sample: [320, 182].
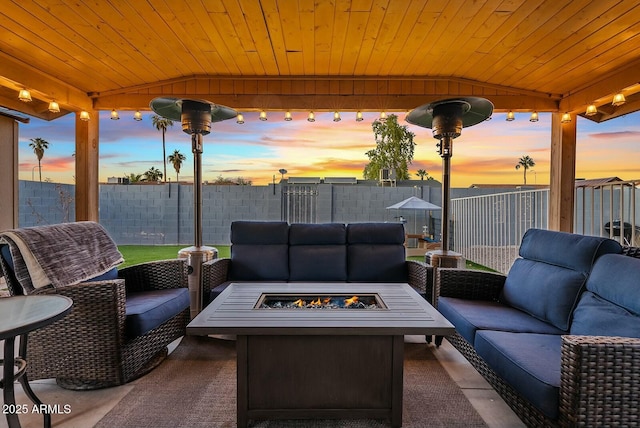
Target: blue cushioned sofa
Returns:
[559, 336]
[334, 252]
[121, 321]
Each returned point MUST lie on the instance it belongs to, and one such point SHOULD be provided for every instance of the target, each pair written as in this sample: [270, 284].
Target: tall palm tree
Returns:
[525, 162]
[176, 159]
[161, 124]
[39, 145]
[153, 174]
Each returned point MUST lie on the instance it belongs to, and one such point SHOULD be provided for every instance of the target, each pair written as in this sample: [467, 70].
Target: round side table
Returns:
[18, 316]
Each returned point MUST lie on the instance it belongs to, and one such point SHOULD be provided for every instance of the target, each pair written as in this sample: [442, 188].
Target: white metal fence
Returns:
[488, 229]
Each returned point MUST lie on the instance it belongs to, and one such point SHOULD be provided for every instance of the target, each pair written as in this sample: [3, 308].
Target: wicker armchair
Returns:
[597, 372]
[89, 348]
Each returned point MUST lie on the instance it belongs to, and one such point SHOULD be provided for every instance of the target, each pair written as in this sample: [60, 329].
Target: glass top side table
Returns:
[18, 316]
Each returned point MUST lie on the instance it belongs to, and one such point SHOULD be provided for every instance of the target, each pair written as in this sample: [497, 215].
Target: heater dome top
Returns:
[474, 111]
[172, 108]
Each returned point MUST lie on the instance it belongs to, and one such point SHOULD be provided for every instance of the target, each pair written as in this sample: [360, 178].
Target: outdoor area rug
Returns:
[196, 387]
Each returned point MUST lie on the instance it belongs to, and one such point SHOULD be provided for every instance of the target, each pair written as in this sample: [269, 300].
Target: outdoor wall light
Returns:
[54, 107]
[618, 99]
[311, 117]
[511, 117]
[336, 117]
[24, 95]
[240, 119]
[115, 115]
[287, 116]
[84, 116]
[591, 110]
[534, 117]
[263, 115]
[137, 116]
[566, 118]
[359, 117]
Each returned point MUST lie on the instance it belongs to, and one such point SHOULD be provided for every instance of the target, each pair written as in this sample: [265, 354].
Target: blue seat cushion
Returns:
[317, 252]
[146, 310]
[529, 362]
[611, 304]
[469, 316]
[376, 253]
[259, 251]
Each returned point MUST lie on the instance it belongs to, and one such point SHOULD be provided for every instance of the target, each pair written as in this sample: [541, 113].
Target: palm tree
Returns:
[39, 145]
[153, 174]
[422, 174]
[134, 178]
[161, 124]
[525, 162]
[176, 159]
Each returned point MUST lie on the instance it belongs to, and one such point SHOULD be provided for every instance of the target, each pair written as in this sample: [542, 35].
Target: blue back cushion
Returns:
[611, 304]
[376, 253]
[259, 251]
[550, 275]
[318, 252]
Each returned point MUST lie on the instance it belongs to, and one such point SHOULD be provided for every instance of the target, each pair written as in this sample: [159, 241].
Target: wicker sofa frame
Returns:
[595, 370]
[89, 349]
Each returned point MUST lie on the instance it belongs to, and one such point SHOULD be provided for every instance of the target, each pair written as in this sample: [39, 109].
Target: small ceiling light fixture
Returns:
[263, 115]
[287, 116]
[84, 116]
[24, 95]
[54, 107]
[510, 116]
[114, 115]
[566, 118]
[618, 99]
[534, 117]
[359, 117]
[311, 117]
[383, 115]
[240, 119]
[591, 110]
[336, 117]
[137, 116]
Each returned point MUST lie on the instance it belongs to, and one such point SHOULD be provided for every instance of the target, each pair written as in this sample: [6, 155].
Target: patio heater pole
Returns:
[447, 118]
[196, 117]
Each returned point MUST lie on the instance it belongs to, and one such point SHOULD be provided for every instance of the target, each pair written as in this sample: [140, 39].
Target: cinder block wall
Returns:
[163, 214]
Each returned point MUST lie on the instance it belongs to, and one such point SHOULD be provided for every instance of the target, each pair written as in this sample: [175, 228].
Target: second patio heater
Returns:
[447, 118]
[196, 117]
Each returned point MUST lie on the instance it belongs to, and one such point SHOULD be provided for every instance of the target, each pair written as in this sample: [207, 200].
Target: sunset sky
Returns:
[484, 154]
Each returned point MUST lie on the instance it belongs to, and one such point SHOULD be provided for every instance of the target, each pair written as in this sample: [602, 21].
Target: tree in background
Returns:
[525, 162]
[153, 175]
[134, 178]
[161, 124]
[422, 174]
[176, 160]
[39, 145]
[394, 149]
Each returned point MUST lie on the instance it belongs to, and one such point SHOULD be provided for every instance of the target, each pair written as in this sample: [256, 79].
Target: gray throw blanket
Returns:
[61, 254]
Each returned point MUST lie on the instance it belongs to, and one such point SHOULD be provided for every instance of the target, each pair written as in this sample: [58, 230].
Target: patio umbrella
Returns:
[414, 203]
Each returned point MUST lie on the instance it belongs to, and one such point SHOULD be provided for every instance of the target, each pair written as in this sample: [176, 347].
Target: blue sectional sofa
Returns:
[559, 336]
[332, 252]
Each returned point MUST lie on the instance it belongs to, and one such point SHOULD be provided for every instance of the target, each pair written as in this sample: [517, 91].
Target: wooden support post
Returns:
[87, 190]
[563, 173]
[8, 173]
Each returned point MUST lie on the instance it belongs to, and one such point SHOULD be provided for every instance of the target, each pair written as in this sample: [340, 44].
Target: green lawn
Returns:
[135, 254]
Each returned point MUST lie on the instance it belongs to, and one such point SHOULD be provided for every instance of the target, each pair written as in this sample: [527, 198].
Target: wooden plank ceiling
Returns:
[548, 55]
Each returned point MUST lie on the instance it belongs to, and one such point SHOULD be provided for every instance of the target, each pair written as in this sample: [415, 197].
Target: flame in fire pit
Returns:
[366, 301]
[351, 301]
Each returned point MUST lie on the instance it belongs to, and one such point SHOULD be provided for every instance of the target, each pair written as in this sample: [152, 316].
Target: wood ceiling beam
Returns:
[256, 102]
[17, 75]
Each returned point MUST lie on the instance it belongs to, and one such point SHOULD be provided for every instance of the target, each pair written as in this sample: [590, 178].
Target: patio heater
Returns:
[447, 118]
[196, 117]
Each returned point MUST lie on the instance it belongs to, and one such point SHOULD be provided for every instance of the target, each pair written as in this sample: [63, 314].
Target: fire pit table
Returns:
[300, 358]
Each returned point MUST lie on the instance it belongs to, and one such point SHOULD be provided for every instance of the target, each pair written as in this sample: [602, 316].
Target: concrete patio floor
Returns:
[88, 407]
